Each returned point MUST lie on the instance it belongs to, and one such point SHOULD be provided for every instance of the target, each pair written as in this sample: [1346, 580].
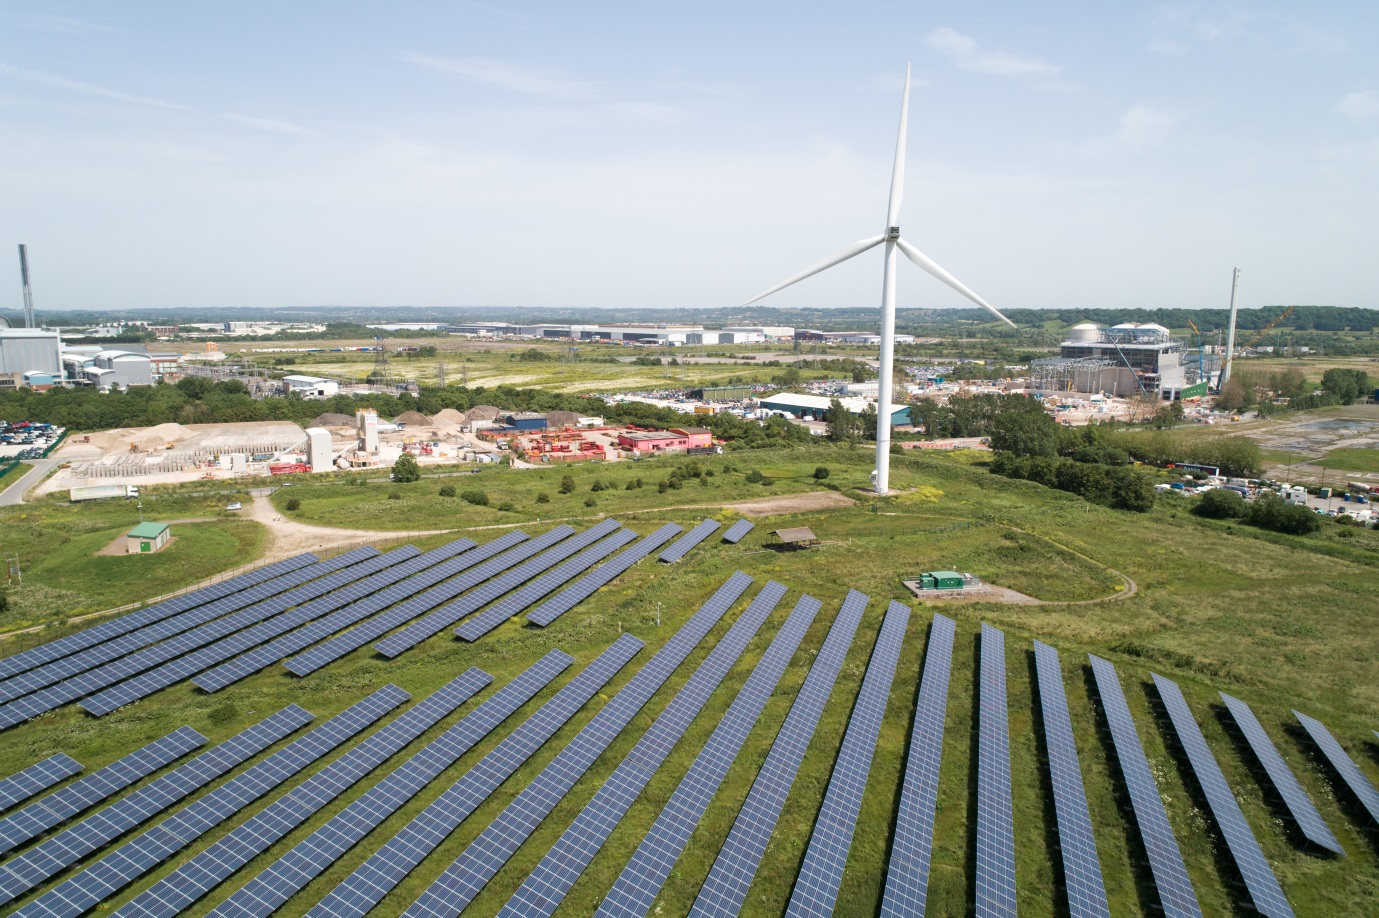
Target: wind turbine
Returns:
[891, 237]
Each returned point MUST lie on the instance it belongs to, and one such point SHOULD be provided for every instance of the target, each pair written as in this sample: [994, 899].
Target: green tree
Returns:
[567, 485]
[1221, 504]
[474, 496]
[1026, 433]
[406, 469]
[843, 425]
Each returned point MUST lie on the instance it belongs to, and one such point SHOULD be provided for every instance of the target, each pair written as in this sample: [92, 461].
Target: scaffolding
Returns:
[1070, 374]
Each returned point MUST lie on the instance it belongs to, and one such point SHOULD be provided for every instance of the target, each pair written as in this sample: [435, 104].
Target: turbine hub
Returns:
[892, 233]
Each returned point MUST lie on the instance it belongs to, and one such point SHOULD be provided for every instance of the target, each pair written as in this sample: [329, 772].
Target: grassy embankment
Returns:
[1271, 621]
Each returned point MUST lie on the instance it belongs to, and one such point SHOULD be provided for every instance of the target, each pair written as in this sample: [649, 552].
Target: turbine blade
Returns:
[898, 170]
[928, 264]
[857, 248]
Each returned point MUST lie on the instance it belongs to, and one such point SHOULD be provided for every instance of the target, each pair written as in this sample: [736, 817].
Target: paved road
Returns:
[39, 468]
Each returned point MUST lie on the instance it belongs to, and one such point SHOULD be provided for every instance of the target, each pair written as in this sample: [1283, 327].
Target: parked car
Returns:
[236, 505]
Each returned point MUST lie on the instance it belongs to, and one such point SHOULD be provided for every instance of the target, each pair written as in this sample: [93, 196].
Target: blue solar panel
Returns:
[546, 886]
[1082, 878]
[59, 806]
[208, 869]
[576, 593]
[907, 876]
[113, 628]
[37, 778]
[681, 546]
[542, 586]
[737, 530]
[472, 870]
[1165, 860]
[821, 874]
[36, 865]
[995, 885]
[477, 566]
[1265, 893]
[387, 867]
[189, 653]
[1354, 779]
[1285, 783]
[132, 860]
[730, 878]
[420, 573]
[436, 622]
[641, 880]
[287, 876]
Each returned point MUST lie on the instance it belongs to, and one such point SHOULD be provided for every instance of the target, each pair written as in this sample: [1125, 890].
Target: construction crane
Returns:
[1266, 329]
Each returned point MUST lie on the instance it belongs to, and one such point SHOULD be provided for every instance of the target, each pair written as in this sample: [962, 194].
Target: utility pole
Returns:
[440, 373]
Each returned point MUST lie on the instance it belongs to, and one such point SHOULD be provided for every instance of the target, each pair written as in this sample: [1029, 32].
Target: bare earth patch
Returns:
[792, 503]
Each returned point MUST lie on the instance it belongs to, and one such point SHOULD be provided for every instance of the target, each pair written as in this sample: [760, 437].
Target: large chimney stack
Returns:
[28, 291]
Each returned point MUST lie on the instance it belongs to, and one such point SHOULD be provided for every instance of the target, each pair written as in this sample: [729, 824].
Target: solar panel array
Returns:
[1082, 878]
[476, 566]
[737, 530]
[1285, 783]
[542, 586]
[821, 873]
[36, 865]
[995, 885]
[472, 870]
[1165, 860]
[372, 880]
[577, 592]
[105, 631]
[132, 860]
[1265, 893]
[681, 546]
[189, 653]
[436, 622]
[546, 886]
[61, 805]
[286, 876]
[725, 889]
[409, 578]
[1350, 773]
[907, 877]
[37, 778]
[641, 880]
[208, 869]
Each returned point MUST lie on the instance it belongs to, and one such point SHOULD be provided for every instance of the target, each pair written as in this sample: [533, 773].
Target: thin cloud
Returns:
[1140, 127]
[506, 75]
[703, 89]
[1359, 106]
[1177, 28]
[269, 124]
[91, 89]
[967, 54]
[649, 111]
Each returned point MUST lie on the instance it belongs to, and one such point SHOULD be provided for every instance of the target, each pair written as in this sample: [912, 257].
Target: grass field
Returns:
[1278, 621]
[14, 474]
[1351, 460]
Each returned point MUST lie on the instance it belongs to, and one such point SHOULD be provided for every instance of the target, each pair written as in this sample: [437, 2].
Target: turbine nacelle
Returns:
[892, 233]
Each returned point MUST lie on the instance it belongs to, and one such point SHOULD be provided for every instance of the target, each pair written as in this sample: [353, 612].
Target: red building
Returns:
[677, 439]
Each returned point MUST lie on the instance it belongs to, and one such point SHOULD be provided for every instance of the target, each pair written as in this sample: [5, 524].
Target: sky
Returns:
[1061, 155]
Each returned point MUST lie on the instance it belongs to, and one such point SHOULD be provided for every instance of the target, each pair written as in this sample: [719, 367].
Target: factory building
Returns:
[814, 407]
[30, 350]
[637, 334]
[1123, 360]
[312, 387]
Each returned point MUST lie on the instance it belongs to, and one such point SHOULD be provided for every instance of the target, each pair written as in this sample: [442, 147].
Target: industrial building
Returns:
[677, 439]
[30, 350]
[147, 537]
[1122, 360]
[638, 334]
[814, 407]
[871, 339]
[312, 387]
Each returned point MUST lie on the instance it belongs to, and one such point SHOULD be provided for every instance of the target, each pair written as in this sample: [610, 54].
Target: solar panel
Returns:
[576, 593]
[821, 873]
[421, 572]
[1265, 893]
[737, 530]
[61, 805]
[546, 886]
[907, 876]
[478, 565]
[37, 778]
[387, 867]
[1348, 771]
[472, 870]
[36, 865]
[725, 889]
[287, 876]
[681, 546]
[542, 586]
[132, 860]
[188, 654]
[204, 872]
[1082, 880]
[112, 628]
[635, 890]
[995, 884]
[436, 622]
[112, 672]
[1165, 861]
[122, 645]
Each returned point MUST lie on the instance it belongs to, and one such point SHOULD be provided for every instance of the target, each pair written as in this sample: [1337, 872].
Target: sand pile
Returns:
[162, 435]
[448, 417]
[332, 419]
[559, 420]
[482, 413]
[412, 419]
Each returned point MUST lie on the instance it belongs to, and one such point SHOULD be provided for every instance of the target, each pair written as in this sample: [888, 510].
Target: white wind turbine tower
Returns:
[891, 237]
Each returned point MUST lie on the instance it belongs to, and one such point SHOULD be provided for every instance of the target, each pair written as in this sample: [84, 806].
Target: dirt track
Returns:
[289, 537]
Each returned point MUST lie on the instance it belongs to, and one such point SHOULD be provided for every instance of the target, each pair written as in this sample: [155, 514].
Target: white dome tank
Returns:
[1084, 331]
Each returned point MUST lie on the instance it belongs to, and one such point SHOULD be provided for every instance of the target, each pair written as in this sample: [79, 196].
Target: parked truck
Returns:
[101, 492]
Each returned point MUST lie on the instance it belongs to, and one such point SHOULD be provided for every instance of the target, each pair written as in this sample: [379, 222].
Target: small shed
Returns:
[525, 420]
[147, 537]
[941, 580]
[801, 537]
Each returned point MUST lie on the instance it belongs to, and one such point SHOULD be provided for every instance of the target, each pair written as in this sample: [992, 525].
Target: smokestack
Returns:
[28, 291]
[1230, 335]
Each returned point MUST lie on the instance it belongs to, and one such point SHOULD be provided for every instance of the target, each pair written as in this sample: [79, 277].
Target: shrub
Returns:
[1220, 504]
[631, 486]
[293, 504]
[447, 491]
[674, 483]
[394, 495]
[406, 468]
[662, 486]
[597, 486]
[590, 502]
[640, 483]
[542, 497]
[755, 477]
[1270, 512]
[567, 485]
[475, 496]
[708, 473]
[821, 473]
[507, 506]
